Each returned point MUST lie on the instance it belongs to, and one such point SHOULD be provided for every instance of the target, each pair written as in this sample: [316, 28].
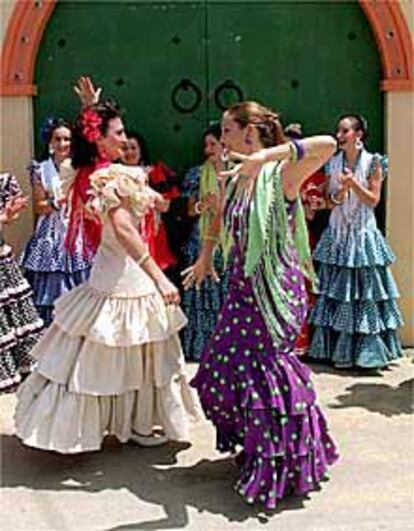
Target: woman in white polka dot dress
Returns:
[356, 315]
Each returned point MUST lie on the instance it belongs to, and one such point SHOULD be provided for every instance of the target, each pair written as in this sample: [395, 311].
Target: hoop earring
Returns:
[51, 151]
[359, 144]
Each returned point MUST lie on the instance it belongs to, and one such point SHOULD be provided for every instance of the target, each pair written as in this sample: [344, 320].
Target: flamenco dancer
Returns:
[111, 362]
[252, 387]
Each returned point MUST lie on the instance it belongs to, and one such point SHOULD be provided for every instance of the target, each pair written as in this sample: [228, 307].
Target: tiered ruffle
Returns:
[48, 287]
[356, 315]
[20, 325]
[106, 366]
[269, 407]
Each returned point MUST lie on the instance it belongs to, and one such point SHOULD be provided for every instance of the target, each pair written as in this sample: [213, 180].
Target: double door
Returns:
[174, 66]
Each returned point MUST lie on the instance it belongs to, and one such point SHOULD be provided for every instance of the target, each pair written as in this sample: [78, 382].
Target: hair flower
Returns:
[91, 122]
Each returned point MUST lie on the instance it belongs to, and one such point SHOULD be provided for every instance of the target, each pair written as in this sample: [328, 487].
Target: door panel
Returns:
[138, 52]
[312, 61]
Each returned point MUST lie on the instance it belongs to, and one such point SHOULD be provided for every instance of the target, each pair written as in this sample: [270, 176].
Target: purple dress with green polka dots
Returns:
[259, 395]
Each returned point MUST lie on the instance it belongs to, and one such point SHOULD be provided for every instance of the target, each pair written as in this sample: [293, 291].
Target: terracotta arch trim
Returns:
[394, 42]
[24, 33]
[29, 19]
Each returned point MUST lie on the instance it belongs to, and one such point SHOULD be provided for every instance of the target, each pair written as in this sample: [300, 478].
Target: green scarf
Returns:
[272, 247]
[268, 206]
[208, 185]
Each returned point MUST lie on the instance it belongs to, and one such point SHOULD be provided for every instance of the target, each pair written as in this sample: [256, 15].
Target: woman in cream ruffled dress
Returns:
[111, 362]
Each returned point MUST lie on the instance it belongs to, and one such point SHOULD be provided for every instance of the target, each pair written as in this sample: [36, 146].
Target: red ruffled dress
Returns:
[154, 232]
[313, 187]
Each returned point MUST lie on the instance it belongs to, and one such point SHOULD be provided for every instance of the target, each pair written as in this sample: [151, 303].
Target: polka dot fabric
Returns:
[260, 398]
[49, 268]
[356, 316]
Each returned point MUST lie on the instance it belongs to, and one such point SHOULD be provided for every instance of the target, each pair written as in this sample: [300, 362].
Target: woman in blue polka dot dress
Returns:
[49, 268]
[356, 315]
[251, 385]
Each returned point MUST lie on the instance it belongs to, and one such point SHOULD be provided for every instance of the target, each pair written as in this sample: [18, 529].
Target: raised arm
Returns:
[316, 151]
[300, 160]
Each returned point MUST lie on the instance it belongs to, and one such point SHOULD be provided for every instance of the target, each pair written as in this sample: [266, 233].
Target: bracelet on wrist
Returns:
[198, 208]
[336, 201]
[211, 238]
[52, 204]
[296, 150]
[142, 259]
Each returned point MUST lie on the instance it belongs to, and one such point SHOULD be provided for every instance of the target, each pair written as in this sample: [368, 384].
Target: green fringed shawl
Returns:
[208, 185]
[272, 248]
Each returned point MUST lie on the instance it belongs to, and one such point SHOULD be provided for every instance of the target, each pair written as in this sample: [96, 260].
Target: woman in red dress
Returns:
[161, 179]
[313, 193]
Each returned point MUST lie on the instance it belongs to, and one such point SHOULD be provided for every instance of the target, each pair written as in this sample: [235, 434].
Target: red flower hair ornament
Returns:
[91, 122]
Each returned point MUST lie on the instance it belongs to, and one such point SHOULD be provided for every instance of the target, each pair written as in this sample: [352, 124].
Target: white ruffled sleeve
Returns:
[111, 186]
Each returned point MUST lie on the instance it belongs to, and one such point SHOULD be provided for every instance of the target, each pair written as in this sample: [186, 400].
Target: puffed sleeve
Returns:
[381, 161]
[111, 186]
[35, 172]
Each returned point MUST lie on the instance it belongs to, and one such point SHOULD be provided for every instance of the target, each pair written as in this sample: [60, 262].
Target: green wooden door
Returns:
[172, 65]
[312, 61]
[150, 57]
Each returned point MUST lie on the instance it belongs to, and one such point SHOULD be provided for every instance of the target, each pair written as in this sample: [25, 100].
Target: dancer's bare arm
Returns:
[316, 151]
[130, 239]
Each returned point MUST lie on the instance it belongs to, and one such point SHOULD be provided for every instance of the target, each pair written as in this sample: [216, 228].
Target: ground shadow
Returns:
[379, 398]
[327, 368]
[152, 475]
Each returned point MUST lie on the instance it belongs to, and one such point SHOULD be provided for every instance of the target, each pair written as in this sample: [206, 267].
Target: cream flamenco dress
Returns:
[111, 362]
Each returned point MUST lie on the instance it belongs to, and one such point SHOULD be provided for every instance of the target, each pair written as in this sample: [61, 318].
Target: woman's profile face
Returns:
[112, 143]
[212, 147]
[132, 152]
[60, 142]
[232, 135]
[346, 134]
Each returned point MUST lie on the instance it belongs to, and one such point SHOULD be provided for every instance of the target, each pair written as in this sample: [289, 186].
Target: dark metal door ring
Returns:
[227, 85]
[184, 86]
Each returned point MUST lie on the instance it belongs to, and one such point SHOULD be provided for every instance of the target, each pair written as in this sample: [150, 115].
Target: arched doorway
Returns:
[174, 65]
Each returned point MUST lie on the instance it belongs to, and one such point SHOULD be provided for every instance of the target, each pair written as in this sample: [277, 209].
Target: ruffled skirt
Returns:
[356, 315]
[20, 325]
[259, 396]
[106, 366]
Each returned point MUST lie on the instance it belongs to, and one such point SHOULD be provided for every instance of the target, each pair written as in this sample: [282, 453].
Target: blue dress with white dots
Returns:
[49, 268]
[356, 315]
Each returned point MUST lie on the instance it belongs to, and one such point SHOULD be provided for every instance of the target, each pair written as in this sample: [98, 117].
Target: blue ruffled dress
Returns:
[356, 315]
[49, 268]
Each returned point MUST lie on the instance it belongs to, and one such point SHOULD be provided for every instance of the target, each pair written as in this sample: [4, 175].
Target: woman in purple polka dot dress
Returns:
[251, 385]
